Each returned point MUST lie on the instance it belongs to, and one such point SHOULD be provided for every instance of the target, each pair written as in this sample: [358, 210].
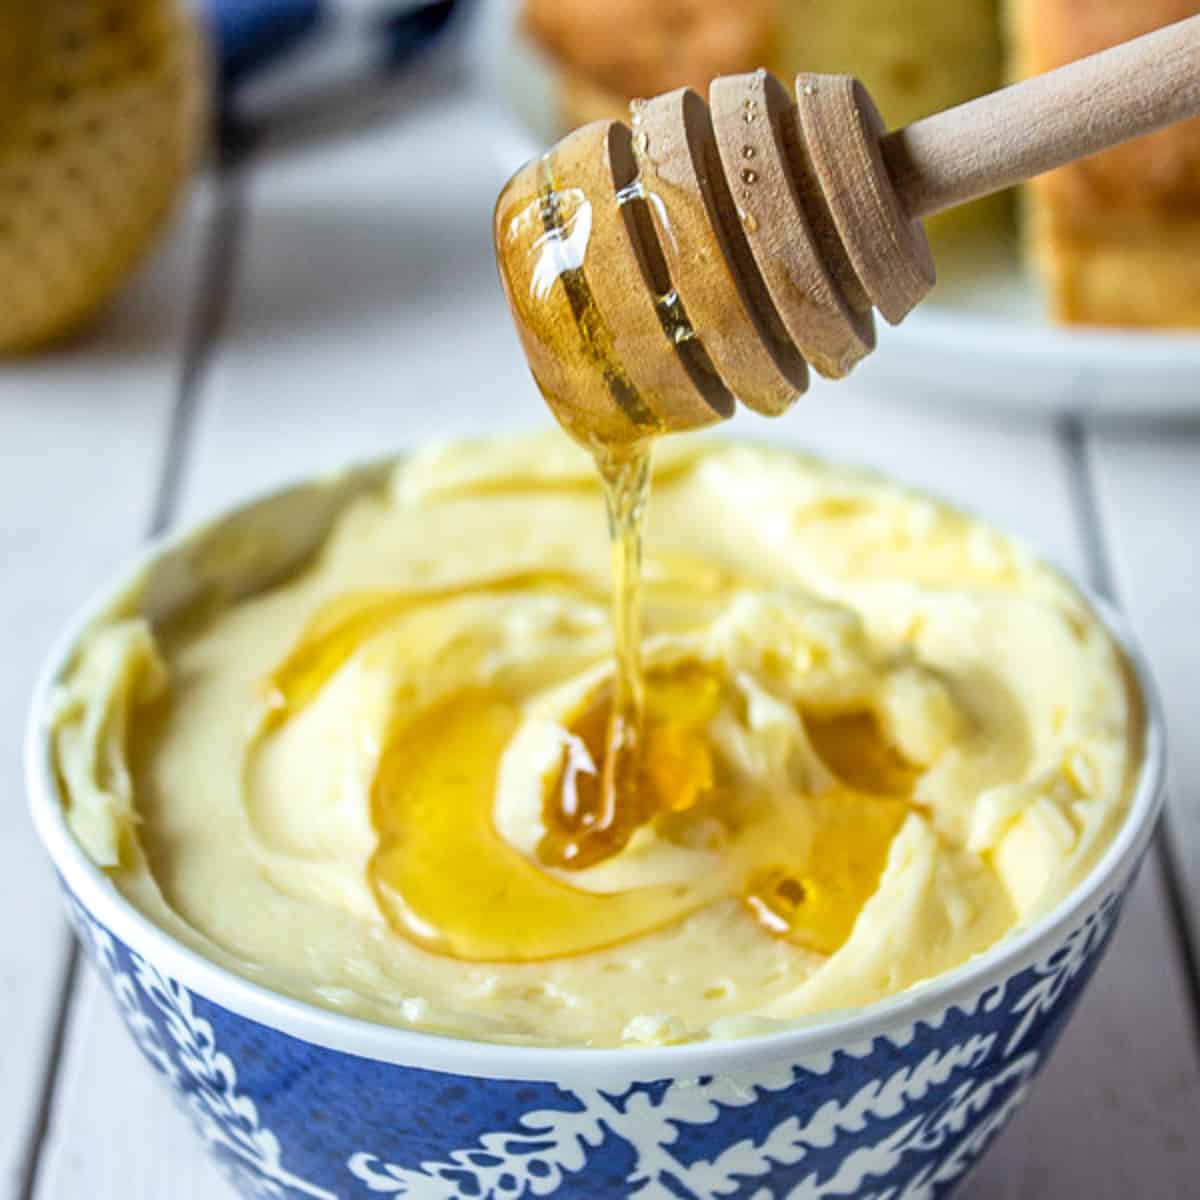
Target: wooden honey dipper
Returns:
[757, 234]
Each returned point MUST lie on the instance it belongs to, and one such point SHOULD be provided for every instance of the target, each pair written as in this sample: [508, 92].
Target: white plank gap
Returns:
[138, 1112]
[82, 432]
[1148, 488]
[366, 317]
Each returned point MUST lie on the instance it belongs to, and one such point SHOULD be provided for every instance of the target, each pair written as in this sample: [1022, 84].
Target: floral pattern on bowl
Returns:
[903, 1115]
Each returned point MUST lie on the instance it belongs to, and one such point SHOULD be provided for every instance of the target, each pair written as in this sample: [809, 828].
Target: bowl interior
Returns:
[272, 535]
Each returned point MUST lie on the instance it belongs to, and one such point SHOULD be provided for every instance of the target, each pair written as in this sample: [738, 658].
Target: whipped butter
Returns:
[880, 736]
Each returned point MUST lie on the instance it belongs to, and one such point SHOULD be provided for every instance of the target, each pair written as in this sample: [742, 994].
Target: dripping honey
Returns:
[445, 879]
[639, 751]
[671, 771]
[803, 866]
[647, 742]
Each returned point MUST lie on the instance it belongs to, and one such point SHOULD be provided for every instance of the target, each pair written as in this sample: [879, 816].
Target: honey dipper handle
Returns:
[1020, 131]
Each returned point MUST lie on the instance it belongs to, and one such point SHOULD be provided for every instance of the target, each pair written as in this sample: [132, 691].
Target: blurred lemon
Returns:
[101, 116]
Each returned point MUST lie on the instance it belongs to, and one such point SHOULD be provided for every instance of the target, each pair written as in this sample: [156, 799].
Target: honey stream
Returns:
[638, 753]
[588, 826]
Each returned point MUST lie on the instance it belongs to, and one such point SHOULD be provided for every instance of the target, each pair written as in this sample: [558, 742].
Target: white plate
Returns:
[979, 339]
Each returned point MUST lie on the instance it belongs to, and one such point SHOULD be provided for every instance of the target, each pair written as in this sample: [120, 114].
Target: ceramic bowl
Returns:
[897, 1099]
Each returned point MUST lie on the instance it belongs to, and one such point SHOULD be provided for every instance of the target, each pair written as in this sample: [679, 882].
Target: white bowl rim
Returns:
[591, 1066]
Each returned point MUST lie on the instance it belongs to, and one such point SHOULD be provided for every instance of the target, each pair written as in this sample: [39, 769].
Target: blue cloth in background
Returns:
[252, 34]
[269, 49]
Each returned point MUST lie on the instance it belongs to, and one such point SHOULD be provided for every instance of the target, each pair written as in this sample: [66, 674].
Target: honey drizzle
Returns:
[445, 879]
[626, 479]
[346, 622]
[639, 751]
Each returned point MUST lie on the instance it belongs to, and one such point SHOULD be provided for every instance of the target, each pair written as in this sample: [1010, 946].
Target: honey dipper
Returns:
[756, 234]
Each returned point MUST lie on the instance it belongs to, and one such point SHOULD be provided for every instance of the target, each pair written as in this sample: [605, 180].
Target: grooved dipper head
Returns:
[659, 273]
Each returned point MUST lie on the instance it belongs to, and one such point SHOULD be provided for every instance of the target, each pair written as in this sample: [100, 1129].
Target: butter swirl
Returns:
[880, 736]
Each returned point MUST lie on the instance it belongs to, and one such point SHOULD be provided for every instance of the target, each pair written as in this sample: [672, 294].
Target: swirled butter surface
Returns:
[879, 737]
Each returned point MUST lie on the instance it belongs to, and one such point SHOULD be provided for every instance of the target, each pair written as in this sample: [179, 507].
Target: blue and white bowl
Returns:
[895, 1100]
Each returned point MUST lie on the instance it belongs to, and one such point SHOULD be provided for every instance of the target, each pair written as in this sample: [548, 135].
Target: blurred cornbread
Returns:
[915, 56]
[605, 54]
[1116, 237]
[101, 110]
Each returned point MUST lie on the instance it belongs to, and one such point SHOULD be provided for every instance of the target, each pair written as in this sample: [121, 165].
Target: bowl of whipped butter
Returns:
[320, 782]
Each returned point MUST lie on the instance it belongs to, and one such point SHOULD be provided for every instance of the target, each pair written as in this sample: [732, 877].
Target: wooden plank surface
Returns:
[82, 435]
[365, 317]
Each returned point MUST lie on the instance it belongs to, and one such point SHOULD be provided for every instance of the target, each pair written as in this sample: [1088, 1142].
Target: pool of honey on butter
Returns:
[803, 866]
[637, 753]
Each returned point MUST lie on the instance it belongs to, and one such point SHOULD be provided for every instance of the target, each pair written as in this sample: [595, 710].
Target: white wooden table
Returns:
[324, 304]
